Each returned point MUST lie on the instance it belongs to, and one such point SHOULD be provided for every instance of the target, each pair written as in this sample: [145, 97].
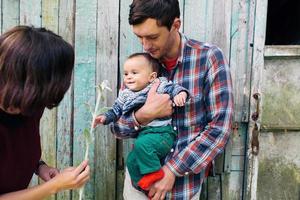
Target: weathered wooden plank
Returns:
[10, 14]
[235, 147]
[239, 58]
[107, 64]
[48, 138]
[279, 128]
[48, 121]
[256, 84]
[30, 12]
[1, 16]
[194, 18]
[239, 140]
[252, 8]
[50, 14]
[227, 157]
[221, 25]
[237, 163]
[282, 51]
[234, 162]
[208, 21]
[223, 187]
[181, 7]
[65, 110]
[84, 83]
[214, 187]
[128, 41]
[251, 29]
[232, 185]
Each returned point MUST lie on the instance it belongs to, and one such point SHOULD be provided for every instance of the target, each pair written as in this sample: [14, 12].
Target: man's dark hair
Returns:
[35, 69]
[164, 11]
[154, 63]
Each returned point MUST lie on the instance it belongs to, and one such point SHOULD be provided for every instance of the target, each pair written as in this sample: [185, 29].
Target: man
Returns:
[203, 124]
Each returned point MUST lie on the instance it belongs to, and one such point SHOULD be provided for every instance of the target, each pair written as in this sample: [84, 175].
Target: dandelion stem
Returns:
[87, 141]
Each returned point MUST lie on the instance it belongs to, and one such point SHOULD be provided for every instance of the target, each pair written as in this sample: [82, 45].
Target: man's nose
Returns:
[146, 44]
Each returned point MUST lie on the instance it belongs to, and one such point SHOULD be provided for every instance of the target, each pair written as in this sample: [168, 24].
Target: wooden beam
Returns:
[282, 51]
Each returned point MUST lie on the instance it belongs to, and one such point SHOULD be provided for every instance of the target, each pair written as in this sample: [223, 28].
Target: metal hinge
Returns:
[235, 128]
[255, 130]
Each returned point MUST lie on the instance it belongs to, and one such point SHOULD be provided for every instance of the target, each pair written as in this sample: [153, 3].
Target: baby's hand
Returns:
[99, 120]
[180, 99]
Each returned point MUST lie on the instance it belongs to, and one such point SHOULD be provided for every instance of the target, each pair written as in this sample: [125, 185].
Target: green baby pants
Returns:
[150, 147]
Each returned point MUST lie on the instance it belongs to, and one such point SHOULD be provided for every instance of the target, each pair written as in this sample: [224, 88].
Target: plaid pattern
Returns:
[204, 123]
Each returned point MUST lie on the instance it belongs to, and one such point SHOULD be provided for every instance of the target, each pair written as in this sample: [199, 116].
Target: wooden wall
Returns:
[102, 39]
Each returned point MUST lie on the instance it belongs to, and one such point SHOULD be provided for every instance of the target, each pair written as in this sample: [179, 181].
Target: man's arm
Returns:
[219, 105]
[156, 106]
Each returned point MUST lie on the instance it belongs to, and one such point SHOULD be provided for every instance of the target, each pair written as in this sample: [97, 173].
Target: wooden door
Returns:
[273, 173]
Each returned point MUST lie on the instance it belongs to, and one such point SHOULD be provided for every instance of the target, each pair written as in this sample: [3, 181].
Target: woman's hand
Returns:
[72, 177]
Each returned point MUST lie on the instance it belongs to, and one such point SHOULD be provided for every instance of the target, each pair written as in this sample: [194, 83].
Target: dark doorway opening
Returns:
[283, 22]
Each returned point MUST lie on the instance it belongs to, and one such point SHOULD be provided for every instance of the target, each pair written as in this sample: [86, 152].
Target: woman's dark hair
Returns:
[154, 63]
[35, 68]
[164, 11]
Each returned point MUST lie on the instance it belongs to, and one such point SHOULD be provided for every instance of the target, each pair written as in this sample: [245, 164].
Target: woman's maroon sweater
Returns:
[20, 150]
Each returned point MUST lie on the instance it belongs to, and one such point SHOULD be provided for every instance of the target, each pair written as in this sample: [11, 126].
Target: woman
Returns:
[35, 72]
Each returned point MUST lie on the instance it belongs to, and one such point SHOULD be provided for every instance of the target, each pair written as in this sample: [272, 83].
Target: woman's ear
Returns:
[152, 77]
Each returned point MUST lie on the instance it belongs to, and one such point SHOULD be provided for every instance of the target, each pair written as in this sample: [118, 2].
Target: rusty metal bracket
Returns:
[255, 130]
[255, 115]
[254, 140]
[235, 128]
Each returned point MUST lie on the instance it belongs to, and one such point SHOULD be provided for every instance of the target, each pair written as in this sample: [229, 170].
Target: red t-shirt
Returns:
[20, 150]
[170, 64]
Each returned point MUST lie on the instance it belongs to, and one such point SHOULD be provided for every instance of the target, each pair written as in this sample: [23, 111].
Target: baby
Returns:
[154, 140]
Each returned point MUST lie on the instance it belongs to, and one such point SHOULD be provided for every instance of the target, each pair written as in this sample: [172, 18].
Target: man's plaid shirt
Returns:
[203, 124]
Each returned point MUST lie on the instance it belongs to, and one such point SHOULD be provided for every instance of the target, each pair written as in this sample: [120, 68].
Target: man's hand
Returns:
[156, 106]
[160, 188]
[46, 173]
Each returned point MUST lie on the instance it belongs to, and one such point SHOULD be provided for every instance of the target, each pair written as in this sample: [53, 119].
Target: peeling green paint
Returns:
[278, 180]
